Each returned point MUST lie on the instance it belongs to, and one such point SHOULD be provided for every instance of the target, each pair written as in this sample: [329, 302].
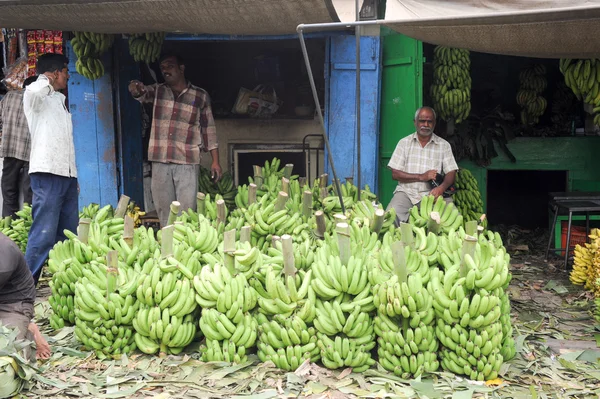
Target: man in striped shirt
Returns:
[416, 161]
[182, 127]
[15, 148]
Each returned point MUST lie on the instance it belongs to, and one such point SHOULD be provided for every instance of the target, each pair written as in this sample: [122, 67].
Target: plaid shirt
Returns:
[182, 126]
[410, 157]
[16, 141]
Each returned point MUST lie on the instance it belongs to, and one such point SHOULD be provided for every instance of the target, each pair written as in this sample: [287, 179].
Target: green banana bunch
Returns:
[451, 88]
[508, 349]
[597, 309]
[286, 295]
[450, 218]
[364, 211]
[103, 317]
[18, 229]
[223, 351]
[468, 307]
[287, 342]
[146, 47]
[583, 77]
[89, 211]
[224, 186]
[89, 47]
[383, 268]
[468, 197]
[529, 96]
[346, 352]
[175, 335]
[198, 234]
[403, 350]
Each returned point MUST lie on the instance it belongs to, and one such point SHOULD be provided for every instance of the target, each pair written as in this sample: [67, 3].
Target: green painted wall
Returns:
[401, 95]
[580, 156]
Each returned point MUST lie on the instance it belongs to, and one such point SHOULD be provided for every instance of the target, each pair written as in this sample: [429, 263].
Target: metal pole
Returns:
[321, 120]
[357, 104]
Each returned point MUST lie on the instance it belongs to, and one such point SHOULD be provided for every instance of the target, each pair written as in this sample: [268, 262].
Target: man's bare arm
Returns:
[404, 177]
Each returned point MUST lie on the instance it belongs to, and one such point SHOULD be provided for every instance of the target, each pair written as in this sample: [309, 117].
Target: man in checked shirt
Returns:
[182, 127]
[15, 148]
[416, 161]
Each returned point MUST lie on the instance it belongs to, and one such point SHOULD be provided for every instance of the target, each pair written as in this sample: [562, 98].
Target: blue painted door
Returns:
[341, 110]
[91, 106]
[130, 153]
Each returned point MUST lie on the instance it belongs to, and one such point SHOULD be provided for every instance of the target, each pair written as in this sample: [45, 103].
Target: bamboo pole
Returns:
[323, 193]
[84, 229]
[200, 204]
[245, 234]
[128, 230]
[166, 245]
[173, 212]
[471, 228]
[112, 271]
[289, 265]
[408, 237]
[434, 222]
[228, 250]
[258, 176]
[252, 193]
[323, 180]
[282, 198]
[321, 225]
[343, 236]
[274, 240]
[288, 169]
[399, 259]
[122, 206]
[377, 221]
[285, 185]
[307, 203]
[468, 248]
[221, 211]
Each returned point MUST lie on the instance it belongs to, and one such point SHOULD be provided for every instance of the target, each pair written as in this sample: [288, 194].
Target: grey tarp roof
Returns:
[232, 17]
[538, 28]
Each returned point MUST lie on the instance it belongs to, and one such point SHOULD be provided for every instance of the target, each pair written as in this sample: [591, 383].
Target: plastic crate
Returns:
[578, 236]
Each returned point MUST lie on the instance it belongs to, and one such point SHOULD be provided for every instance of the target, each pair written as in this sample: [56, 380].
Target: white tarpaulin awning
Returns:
[535, 28]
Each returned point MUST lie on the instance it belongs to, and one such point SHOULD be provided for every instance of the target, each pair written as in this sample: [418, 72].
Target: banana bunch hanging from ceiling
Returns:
[451, 88]
[583, 77]
[529, 96]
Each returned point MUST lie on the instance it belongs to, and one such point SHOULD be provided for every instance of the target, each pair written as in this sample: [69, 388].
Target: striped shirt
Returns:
[410, 157]
[16, 140]
[182, 127]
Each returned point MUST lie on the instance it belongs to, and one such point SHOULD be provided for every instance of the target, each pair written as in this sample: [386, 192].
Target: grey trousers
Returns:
[402, 204]
[19, 315]
[173, 182]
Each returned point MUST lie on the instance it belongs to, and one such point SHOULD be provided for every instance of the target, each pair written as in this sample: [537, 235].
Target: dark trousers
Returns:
[55, 208]
[15, 179]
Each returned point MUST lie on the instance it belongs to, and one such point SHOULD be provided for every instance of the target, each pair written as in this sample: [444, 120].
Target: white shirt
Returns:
[410, 157]
[52, 147]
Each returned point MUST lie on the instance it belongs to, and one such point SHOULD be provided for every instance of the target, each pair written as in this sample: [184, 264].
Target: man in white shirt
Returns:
[416, 161]
[52, 169]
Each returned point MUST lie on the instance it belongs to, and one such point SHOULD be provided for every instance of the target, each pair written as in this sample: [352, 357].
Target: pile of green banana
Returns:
[89, 47]
[364, 211]
[286, 341]
[597, 309]
[224, 186]
[468, 197]
[226, 299]
[467, 303]
[583, 77]
[404, 324]
[529, 96]
[451, 88]
[450, 217]
[67, 260]
[416, 261]
[146, 47]
[197, 232]
[272, 259]
[166, 320]
[104, 310]
[343, 307]
[18, 229]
